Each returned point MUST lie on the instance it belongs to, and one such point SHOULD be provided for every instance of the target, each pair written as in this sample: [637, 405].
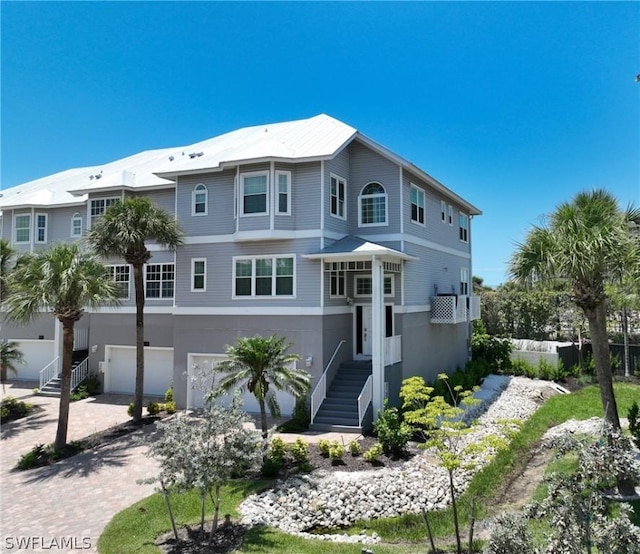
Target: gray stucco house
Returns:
[307, 229]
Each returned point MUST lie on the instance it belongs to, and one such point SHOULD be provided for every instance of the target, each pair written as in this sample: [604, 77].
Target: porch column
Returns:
[377, 324]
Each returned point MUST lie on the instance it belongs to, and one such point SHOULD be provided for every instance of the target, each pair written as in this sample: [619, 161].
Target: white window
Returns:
[273, 276]
[337, 284]
[283, 197]
[373, 205]
[254, 193]
[99, 205]
[41, 228]
[160, 280]
[443, 211]
[198, 274]
[464, 227]
[23, 228]
[199, 204]
[464, 281]
[417, 205]
[450, 214]
[363, 285]
[338, 197]
[76, 225]
[121, 275]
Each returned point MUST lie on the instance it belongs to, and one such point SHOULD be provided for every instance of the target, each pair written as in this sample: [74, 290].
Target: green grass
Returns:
[135, 529]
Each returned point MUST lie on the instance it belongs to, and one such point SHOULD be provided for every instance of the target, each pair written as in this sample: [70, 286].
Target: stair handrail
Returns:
[364, 399]
[320, 391]
[79, 373]
[49, 372]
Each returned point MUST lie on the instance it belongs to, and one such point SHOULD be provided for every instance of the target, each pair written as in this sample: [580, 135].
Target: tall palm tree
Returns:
[10, 356]
[260, 365]
[123, 231]
[586, 243]
[6, 255]
[61, 281]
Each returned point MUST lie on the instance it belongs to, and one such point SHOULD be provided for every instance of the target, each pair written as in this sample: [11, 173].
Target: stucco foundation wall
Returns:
[43, 325]
[334, 329]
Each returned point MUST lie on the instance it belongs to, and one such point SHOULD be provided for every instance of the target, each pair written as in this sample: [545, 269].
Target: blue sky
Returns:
[515, 106]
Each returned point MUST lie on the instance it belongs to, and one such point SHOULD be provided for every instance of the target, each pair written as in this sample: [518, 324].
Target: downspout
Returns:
[32, 231]
[322, 200]
[271, 186]
[236, 190]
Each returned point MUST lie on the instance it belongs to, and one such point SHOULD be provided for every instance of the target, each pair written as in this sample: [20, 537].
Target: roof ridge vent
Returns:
[195, 154]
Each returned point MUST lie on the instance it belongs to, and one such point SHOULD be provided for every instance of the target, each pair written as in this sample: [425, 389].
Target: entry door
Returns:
[364, 336]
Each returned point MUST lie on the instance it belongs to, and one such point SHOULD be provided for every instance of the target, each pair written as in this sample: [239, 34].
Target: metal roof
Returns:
[352, 247]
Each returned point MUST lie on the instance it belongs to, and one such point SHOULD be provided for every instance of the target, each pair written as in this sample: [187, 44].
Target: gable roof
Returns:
[352, 247]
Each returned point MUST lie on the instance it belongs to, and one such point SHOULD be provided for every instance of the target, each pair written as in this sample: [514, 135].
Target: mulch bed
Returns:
[228, 538]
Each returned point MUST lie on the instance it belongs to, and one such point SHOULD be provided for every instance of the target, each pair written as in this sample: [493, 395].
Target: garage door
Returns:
[120, 369]
[37, 354]
[201, 380]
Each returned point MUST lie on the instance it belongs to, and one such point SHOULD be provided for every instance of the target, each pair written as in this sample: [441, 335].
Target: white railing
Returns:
[80, 339]
[320, 391]
[50, 371]
[79, 373]
[449, 308]
[474, 308]
[392, 350]
[365, 399]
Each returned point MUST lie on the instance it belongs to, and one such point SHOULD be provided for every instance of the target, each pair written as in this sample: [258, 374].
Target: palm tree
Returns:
[10, 356]
[123, 231]
[260, 365]
[61, 281]
[6, 255]
[587, 244]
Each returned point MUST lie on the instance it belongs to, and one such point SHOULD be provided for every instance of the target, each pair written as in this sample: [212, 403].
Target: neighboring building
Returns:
[306, 229]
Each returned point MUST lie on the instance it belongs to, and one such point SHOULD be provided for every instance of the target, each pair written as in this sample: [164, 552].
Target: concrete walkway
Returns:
[66, 506]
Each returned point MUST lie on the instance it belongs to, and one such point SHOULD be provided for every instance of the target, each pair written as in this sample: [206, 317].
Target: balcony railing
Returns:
[392, 350]
[452, 308]
[474, 308]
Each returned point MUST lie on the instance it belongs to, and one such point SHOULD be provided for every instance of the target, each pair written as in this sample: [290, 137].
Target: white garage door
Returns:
[37, 354]
[120, 369]
[200, 381]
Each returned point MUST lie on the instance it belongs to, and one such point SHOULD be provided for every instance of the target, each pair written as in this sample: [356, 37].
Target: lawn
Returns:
[135, 529]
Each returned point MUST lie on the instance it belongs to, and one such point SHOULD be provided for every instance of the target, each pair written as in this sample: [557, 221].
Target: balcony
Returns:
[392, 350]
[452, 309]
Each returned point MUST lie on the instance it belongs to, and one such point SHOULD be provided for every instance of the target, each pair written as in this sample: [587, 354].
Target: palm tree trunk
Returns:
[263, 419]
[625, 334]
[65, 389]
[139, 287]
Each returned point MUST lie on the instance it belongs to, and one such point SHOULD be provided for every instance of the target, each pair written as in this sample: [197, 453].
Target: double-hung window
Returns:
[160, 280]
[76, 225]
[199, 200]
[450, 214]
[268, 276]
[464, 227]
[120, 274]
[98, 206]
[254, 193]
[443, 211]
[364, 285]
[337, 284]
[464, 281]
[283, 193]
[338, 197]
[417, 205]
[373, 205]
[198, 275]
[22, 228]
[41, 228]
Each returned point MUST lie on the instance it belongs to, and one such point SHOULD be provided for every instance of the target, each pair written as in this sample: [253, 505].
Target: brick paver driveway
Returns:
[65, 507]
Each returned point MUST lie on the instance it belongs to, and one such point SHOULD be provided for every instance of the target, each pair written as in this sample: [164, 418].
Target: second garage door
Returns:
[120, 369]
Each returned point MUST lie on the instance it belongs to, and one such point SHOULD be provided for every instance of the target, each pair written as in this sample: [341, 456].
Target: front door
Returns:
[364, 337]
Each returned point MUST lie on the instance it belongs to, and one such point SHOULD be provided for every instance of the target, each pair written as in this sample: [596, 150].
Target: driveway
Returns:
[65, 507]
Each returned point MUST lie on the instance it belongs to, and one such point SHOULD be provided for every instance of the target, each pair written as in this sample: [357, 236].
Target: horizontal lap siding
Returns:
[220, 273]
[340, 167]
[253, 222]
[305, 191]
[60, 223]
[163, 199]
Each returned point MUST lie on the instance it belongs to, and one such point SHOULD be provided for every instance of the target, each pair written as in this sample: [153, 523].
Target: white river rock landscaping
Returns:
[335, 499]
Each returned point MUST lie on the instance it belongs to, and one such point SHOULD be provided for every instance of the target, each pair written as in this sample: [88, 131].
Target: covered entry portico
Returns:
[367, 277]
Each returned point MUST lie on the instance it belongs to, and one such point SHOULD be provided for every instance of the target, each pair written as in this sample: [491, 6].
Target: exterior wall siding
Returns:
[338, 166]
[162, 198]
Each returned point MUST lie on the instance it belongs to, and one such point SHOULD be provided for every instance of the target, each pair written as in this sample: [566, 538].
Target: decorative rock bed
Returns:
[334, 499]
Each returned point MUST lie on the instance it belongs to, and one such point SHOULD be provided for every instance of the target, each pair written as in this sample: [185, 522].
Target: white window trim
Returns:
[241, 193]
[466, 219]
[76, 217]
[128, 297]
[424, 205]
[450, 214]
[344, 202]
[253, 295]
[386, 276]
[15, 229]
[36, 228]
[386, 206]
[194, 193]
[344, 277]
[160, 298]
[464, 278]
[90, 203]
[193, 274]
[277, 192]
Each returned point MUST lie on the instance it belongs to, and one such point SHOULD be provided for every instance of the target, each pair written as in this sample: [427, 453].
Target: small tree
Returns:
[204, 453]
[10, 356]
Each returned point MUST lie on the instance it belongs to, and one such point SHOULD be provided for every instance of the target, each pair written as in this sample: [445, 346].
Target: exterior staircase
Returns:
[52, 388]
[339, 410]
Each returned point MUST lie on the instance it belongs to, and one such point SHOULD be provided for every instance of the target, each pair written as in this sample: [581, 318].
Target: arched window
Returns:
[199, 200]
[76, 225]
[373, 205]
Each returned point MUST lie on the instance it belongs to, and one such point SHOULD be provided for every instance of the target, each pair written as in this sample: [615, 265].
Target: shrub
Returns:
[393, 433]
[92, 384]
[12, 408]
[79, 394]
[373, 453]
[336, 451]
[324, 445]
[355, 448]
[495, 351]
[36, 457]
[169, 407]
[168, 395]
[634, 423]
[130, 409]
[300, 451]
[270, 468]
[153, 408]
[277, 449]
